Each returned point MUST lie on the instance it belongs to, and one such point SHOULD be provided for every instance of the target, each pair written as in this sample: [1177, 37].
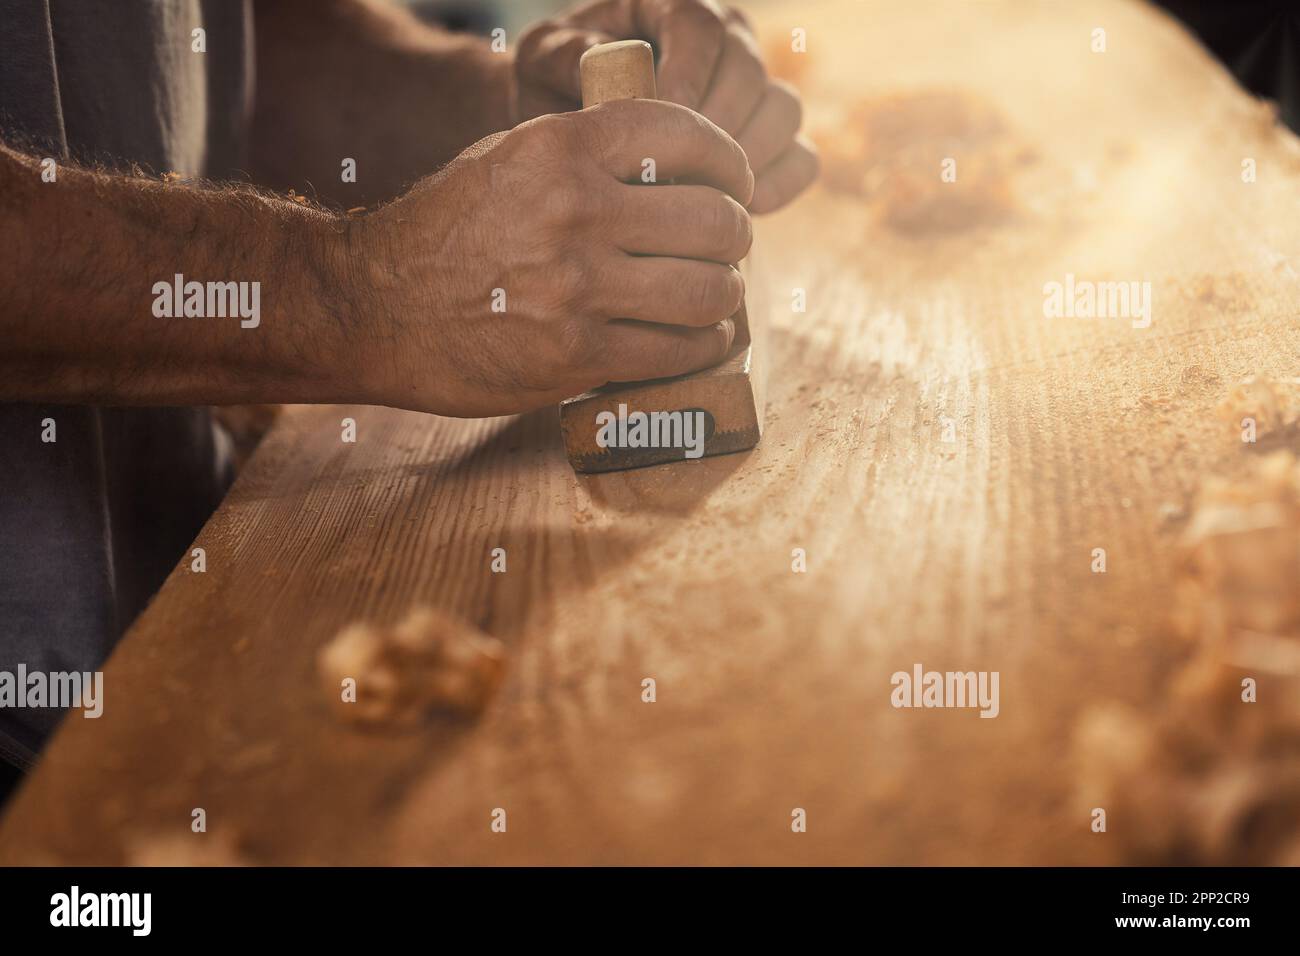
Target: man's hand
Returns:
[534, 270]
[708, 60]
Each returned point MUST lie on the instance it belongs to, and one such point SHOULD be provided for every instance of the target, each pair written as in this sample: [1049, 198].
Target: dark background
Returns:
[1258, 40]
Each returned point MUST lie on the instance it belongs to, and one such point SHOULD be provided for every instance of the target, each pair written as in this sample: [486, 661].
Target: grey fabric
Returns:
[91, 523]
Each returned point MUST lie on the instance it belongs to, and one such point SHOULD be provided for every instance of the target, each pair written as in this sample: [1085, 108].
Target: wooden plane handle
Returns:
[623, 70]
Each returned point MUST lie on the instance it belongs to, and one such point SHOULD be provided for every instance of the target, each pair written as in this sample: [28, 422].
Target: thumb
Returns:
[548, 57]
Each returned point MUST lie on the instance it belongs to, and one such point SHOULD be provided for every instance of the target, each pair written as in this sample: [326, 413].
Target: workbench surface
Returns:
[947, 457]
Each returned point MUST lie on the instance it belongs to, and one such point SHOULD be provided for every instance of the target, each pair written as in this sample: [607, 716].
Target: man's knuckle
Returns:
[745, 49]
[565, 203]
[699, 14]
[577, 342]
[727, 225]
[607, 204]
[689, 132]
[529, 45]
[557, 134]
[703, 295]
[733, 291]
[717, 223]
[722, 334]
[744, 231]
[704, 132]
[789, 99]
[724, 294]
[568, 281]
[678, 355]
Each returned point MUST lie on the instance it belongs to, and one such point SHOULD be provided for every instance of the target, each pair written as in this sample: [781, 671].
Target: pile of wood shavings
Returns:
[888, 150]
[428, 662]
[1210, 781]
[1213, 778]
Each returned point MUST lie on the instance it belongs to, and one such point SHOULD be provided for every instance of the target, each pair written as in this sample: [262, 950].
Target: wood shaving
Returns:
[888, 150]
[1213, 780]
[1272, 404]
[1210, 778]
[187, 849]
[1240, 568]
[426, 663]
[1226, 291]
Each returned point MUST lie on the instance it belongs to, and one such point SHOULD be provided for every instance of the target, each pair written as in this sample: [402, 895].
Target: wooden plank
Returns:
[773, 687]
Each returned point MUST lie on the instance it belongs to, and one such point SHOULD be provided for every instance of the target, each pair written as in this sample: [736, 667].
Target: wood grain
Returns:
[773, 687]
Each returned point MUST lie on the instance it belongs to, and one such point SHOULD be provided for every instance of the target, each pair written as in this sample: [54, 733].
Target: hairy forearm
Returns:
[364, 80]
[79, 311]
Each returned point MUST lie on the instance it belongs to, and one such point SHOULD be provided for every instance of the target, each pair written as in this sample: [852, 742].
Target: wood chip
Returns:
[429, 662]
[1269, 403]
[1241, 555]
[186, 848]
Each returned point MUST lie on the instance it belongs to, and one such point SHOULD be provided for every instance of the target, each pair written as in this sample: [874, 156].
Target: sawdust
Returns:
[426, 663]
[890, 151]
[1197, 377]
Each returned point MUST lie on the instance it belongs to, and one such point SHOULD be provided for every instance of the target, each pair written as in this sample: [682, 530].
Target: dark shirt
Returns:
[91, 523]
